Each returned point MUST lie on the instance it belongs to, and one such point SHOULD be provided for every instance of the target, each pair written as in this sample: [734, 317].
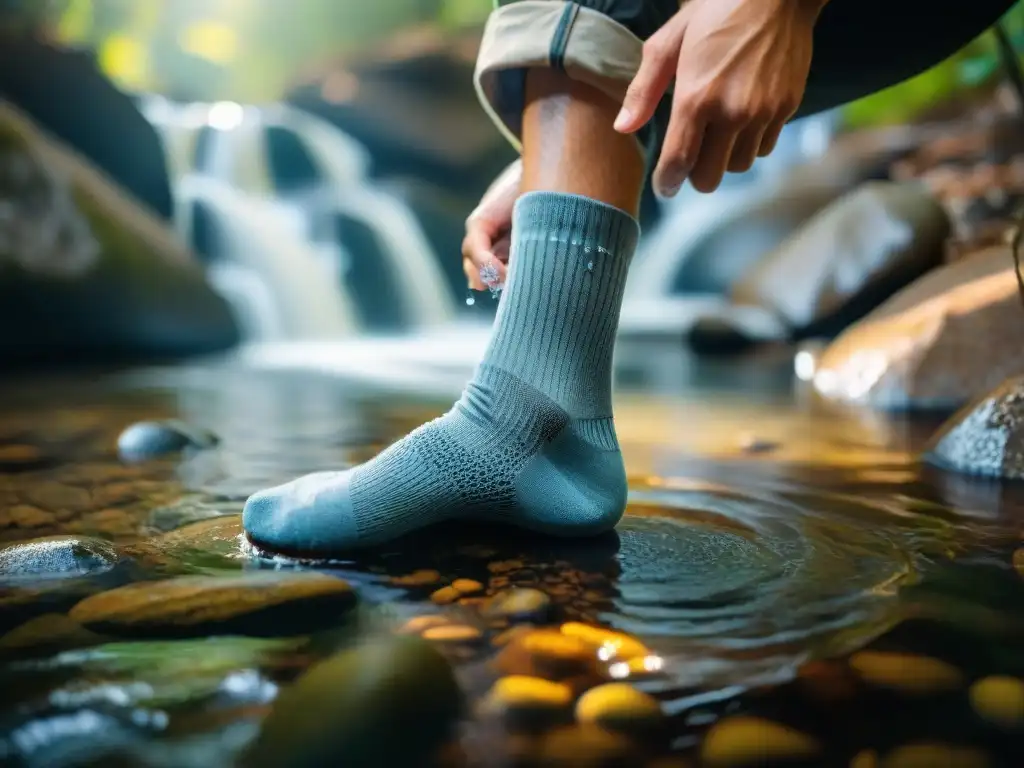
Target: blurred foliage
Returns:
[977, 65]
[246, 50]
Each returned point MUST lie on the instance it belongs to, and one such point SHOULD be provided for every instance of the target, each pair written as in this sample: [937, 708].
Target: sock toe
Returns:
[308, 516]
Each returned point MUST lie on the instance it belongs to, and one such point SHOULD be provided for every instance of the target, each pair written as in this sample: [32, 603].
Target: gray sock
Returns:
[531, 442]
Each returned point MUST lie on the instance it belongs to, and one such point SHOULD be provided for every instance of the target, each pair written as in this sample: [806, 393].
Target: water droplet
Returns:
[590, 266]
[470, 301]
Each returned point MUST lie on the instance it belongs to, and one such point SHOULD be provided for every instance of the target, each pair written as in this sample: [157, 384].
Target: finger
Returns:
[715, 150]
[680, 150]
[771, 138]
[472, 275]
[657, 68]
[744, 151]
[501, 248]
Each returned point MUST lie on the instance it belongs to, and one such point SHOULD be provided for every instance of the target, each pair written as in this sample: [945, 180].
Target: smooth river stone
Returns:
[257, 603]
[388, 702]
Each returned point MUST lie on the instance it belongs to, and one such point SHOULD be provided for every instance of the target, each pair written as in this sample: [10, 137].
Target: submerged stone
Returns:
[748, 741]
[934, 755]
[259, 603]
[528, 701]
[147, 440]
[46, 634]
[906, 672]
[56, 557]
[1000, 700]
[620, 707]
[986, 437]
[584, 746]
[391, 701]
[519, 604]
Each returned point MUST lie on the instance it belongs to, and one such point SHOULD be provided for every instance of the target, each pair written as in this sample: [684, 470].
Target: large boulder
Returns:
[87, 273]
[849, 257]
[938, 343]
[986, 437]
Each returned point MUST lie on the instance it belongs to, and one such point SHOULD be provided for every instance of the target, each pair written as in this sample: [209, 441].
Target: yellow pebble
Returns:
[933, 755]
[906, 672]
[445, 595]
[452, 633]
[552, 645]
[608, 643]
[1018, 561]
[619, 707]
[746, 741]
[467, 586]
[517, 692]
[866, 759]
[999, 700]
[417, 624]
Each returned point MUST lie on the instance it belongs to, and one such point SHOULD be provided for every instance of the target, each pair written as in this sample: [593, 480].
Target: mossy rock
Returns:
[85, 272]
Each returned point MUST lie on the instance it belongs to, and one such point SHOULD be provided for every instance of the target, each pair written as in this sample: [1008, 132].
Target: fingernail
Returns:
[623, 120]
[667, 191]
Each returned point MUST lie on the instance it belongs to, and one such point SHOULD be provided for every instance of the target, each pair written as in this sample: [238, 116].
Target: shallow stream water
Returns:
[779, 560]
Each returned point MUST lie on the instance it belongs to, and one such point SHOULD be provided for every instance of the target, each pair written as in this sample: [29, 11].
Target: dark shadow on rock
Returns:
[65, 93]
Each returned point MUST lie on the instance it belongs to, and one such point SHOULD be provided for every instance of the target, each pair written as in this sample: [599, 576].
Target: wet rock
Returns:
[749, 741]
[549, 654]
[56, 557]
[1017, 560]
[529, 701]
[850, 256]
[467, 587]
[22, 458]
[920, 350]
[587, 747]
[46, 634]
[419, 624]
[607, 644]
[865, 759]
[986, 437]
[421, 578]
[905, 672]
[214, 545]
[620, 707]
[444, 596]
[452, 633]
[259, 603]
[935, 756]
[519, 605]
[72, 240]
[1000, 700]
[147, 440]
[387, 702]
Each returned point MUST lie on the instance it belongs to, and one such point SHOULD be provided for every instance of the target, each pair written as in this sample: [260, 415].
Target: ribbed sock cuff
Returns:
[575, 220]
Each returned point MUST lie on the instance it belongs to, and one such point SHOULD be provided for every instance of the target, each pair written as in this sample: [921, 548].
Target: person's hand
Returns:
[489, 230]
[740, 68]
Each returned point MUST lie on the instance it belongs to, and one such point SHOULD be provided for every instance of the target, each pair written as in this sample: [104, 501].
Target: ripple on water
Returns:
[726, 585]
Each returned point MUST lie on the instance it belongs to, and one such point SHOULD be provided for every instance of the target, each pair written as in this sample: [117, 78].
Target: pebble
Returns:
[444, 596]
[519, 605]
[452, 633]
[608, 644]
[388, 702]
[827, 681]
[257, 603]
[529, 700]
[46, 634]
[418, 624]
[905, 672]
[743, 740]
[619, 707]
[547, 653]
[147, 440]
[999, 700]
[1018, 561]
[421, 578]
[866, 759]
[56, 557]
[935, 755]
[15, 457]
[467, 587]
[586, 747]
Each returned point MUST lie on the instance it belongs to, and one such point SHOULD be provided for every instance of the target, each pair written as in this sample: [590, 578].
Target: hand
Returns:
[489, 229]
[740, 69]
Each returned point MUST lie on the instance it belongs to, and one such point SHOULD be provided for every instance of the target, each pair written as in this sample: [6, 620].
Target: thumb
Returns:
[657, 68]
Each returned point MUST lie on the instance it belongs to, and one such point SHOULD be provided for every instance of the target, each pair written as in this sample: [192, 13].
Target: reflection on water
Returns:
[765, 536]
